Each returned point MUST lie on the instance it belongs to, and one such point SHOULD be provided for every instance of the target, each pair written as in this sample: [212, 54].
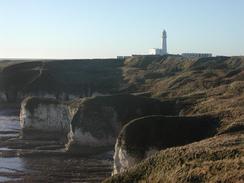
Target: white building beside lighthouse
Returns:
[163, 50]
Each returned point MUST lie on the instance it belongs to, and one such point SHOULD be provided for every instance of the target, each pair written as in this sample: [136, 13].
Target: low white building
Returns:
[155, 51]
[196, 55]
[122, 57]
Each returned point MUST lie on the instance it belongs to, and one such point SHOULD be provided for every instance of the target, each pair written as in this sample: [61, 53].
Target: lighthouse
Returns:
[164, 43]
[163, 49]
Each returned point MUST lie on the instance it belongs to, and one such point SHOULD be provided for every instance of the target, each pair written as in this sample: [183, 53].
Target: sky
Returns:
[108, 28]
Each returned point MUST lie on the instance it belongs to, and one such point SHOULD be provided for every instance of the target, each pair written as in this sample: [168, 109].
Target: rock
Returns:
[100, 119]
[3, 97]
[45, 114]
[145, 136]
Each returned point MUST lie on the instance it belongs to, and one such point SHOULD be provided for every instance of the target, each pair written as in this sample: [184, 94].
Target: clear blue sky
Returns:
[107, 28]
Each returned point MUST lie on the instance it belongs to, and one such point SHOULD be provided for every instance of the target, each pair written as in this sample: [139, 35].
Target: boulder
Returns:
[143, 137]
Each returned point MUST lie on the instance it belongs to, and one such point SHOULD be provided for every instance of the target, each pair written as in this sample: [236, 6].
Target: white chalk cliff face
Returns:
[86, 135]
[100, 119]
[123, 160]
[46, 117]
[82, 139]
[3, 97]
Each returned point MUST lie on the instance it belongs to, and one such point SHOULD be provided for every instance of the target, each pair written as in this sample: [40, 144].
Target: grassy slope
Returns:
[211, 86]
[218, 159]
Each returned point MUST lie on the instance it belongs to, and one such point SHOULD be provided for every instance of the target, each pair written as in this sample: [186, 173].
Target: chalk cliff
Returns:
[45, 114]
[99, 120]
[154, 133]
[182, 87]
[91, 122]
[3, 97]
[61, 79]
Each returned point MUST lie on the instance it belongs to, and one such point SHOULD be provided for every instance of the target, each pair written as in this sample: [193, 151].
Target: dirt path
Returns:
[41, 68]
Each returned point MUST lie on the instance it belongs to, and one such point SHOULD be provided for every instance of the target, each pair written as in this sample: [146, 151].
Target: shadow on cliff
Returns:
[161, 132]
[81, 78]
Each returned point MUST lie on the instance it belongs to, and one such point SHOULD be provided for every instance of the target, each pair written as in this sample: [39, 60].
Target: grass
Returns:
[208, 86]
[218, 159]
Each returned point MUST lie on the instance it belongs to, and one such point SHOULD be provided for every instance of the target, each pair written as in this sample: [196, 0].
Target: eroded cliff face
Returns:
[62, 80]
[46, 115]
[3, 97]
[99, 120]
[89, 122]
[154, 133]
[96, 130]
[203, 86]
[122, 160]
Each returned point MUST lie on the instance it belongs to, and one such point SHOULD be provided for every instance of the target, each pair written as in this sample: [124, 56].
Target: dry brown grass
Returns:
[213, 86]
[218, 159]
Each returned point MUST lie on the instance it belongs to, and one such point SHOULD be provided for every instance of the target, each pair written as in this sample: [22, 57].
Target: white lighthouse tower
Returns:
[164, 43]
[163, 49]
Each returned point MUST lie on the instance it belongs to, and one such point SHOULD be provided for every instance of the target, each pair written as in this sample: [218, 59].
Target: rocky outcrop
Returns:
[100, 119]
[63, 79]
[45, 115]
[143, 137]
[89, 122]
[3, 97]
